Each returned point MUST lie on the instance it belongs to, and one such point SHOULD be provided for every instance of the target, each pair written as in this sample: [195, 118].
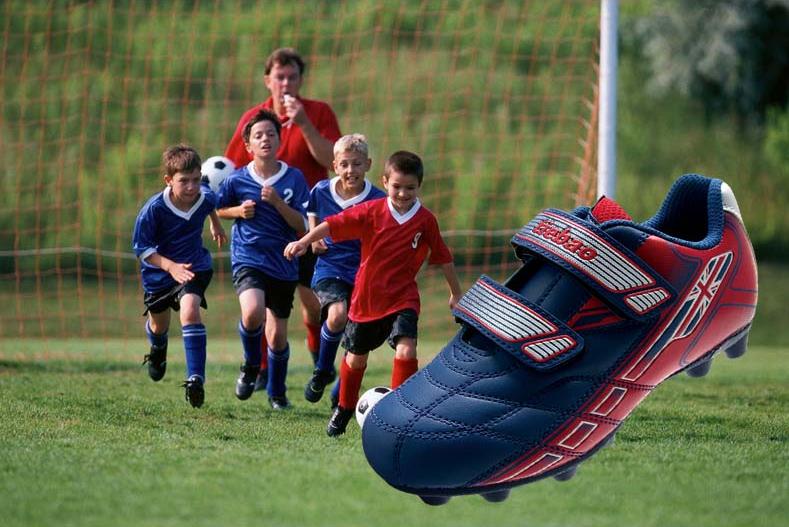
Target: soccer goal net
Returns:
[497, 97]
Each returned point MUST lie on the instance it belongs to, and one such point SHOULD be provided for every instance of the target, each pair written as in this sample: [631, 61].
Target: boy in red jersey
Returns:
[396, 235]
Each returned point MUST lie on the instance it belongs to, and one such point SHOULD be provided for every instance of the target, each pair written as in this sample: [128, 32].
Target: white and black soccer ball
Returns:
[216, 169]
[366, 402]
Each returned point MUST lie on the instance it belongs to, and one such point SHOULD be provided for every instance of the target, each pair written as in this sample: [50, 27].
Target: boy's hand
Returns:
[246, 209]
[453, 300]
[319, 247]
[180, 272]
[218, 235]
[294, 249]
[271, 196]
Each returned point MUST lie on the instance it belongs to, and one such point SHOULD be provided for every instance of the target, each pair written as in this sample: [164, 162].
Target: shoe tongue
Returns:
[607, 209]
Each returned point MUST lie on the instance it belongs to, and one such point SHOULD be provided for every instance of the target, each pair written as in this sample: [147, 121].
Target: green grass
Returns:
[87, 439]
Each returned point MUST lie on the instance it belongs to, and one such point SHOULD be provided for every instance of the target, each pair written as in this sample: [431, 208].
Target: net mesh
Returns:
[497, 97]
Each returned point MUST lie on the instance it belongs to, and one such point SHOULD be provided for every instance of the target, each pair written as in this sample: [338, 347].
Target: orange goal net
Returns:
[498, 97]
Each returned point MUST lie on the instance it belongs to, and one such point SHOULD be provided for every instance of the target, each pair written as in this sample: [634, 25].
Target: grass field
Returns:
[87, 440]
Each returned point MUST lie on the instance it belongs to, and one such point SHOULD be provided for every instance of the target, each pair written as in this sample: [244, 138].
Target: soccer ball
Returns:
[216, 169]
[366, 402]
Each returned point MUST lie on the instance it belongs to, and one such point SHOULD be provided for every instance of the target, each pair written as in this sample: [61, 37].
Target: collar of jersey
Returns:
[345, 203]
[402, 218]
[178, 212]
[270, 181]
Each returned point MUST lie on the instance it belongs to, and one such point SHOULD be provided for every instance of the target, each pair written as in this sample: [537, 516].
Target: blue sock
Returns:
[327, 352]
[194, 347]
[156, 339]
[277, 371]
[250, 340]
[335, 392]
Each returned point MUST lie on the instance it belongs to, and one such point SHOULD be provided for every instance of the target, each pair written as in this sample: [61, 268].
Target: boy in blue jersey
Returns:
[338, 262]
[175, 267]
[267, 200]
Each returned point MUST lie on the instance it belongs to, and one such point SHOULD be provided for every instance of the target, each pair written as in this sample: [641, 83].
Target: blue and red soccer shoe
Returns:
[549, 364]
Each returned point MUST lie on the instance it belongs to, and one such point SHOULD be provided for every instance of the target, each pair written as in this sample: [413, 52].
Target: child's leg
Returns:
[156, 328]
[250, 328]
[194, 335]
[351, 375]
[278, 354]
[331, 335]
[311, 316]
[405, 361]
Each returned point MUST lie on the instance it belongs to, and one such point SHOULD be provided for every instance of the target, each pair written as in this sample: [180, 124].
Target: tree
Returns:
[731, 54]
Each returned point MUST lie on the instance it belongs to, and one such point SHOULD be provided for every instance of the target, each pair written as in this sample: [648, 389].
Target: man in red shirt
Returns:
[396, 233]
[309, 131]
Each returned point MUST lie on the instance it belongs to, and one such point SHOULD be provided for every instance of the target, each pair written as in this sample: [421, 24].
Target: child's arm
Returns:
[454, 284]
[318, 246]
[179, 271]
[217, 231]
[292, 217]
[299, 247]
[244, 211]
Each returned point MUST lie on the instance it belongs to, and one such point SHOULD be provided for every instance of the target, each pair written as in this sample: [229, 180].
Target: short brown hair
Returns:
[180, 158]
[407, 163]
[262, 115]
[285, 57]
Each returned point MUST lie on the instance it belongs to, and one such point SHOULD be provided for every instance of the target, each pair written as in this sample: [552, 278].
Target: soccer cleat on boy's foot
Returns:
[195, 392]
[245, 385]
[548, 365]
[278, 402]
[261, 381]
[157, 362]
[338, 421]
[313, 391]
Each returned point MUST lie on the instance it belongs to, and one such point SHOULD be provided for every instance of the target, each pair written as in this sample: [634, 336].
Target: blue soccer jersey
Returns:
[341, 260]
[259, 242]
[163, 228]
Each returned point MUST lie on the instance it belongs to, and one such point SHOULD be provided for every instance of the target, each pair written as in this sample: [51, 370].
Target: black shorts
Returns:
[161, 301]
[307, 267]
[362, 337]
[278, 293]
[331, 290]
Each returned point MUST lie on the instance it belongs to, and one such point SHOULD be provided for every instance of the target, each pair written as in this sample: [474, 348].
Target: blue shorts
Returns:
[278, 293]
[330, 291]
[162, 300]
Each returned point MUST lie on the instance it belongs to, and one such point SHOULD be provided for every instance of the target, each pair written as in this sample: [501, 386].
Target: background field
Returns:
[95, 442]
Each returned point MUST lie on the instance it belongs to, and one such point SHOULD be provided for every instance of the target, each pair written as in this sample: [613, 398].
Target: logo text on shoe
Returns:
[563, 237]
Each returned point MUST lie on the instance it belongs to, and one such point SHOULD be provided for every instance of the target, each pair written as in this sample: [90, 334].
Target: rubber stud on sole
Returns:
[567, 474]
[738, 348]
[496, 496]
[700, 370]
[434, 500]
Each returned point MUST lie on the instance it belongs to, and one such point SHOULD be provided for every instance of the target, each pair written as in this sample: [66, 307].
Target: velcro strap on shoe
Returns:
[598, 260]
[517, 325]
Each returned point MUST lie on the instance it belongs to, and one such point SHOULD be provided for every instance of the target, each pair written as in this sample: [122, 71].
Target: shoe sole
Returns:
[244, 396]
[734, 347]
[312, 395]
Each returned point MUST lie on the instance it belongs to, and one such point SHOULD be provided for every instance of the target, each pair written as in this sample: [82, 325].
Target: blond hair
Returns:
[352, 143]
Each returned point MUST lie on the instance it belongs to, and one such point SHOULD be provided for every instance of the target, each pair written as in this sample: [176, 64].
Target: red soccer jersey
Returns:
[394, 246]
[293, 148]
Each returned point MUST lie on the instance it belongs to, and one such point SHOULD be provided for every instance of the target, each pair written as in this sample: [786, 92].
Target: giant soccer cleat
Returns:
[547, 366]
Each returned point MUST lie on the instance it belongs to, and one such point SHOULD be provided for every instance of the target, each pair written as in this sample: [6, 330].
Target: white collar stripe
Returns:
[402, 218]
[178, 212]
[345, 203]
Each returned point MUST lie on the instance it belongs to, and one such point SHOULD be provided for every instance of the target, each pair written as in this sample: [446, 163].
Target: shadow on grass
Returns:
[71, 366]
